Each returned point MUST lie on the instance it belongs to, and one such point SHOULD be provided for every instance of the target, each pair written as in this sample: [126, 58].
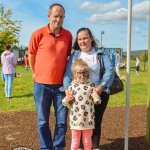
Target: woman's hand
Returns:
[69, 95]
[99, 89]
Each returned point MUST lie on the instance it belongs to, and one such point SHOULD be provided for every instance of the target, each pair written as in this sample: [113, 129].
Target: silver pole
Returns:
[101, 39]
[128, 74]
[102, 32]
[148, 99]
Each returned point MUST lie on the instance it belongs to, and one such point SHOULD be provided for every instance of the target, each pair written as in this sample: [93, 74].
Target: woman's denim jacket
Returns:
[105, 80]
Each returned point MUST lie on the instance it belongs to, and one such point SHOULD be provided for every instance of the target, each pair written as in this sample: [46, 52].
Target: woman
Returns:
[85, 48]
[118, 62]
[9, 62]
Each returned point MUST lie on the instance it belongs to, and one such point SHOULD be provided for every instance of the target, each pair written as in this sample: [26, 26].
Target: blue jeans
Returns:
[44, 95]
[9, 78]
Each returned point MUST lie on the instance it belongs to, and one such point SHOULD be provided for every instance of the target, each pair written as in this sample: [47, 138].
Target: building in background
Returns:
[19, 51]
[111, 51]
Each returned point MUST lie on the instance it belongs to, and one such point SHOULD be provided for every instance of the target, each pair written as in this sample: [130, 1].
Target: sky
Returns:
[109, 16]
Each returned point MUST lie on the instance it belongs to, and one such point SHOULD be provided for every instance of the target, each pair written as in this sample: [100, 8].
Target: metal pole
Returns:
[101, 39]
[145, 60]
[148, 99]
[102, 32]
[128, 74]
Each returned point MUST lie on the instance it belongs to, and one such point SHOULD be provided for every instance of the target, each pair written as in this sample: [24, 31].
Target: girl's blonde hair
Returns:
[79, 65]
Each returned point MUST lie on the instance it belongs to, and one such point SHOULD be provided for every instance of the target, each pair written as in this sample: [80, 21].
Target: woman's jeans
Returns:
[9, 78]
[99, 112]
[44, 95]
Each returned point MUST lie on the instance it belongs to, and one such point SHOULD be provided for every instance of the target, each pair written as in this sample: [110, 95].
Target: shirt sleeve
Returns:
[109, 73]
[68, 72]
[65, 102]
[14, 59]
[70, 44]
[34, 42]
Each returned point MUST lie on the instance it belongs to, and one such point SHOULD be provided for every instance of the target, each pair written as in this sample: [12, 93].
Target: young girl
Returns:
[82, 106]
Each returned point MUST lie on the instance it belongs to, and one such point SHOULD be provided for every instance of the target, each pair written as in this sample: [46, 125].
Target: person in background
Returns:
[113, 58]
[9, 62]
[117, 62]
[137, 67]
[85, 48]
[26, 60]
[49, 48]
[82, 111]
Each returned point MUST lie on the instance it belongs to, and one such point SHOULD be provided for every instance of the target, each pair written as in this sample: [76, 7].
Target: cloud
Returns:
[139, 13]
[98, 7]
[117, 16]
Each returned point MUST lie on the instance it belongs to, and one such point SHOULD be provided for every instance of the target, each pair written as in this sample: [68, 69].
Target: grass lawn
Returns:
[22, 92]
[138, 90]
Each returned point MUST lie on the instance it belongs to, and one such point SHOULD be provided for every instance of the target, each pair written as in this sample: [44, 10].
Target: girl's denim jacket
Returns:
[106, 78]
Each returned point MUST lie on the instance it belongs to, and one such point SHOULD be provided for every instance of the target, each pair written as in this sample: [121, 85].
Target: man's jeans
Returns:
[44, 95]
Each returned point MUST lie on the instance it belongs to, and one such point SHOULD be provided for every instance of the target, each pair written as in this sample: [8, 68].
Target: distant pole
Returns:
[148, 100]
[145, 60]
[102, 32]
[128, 74]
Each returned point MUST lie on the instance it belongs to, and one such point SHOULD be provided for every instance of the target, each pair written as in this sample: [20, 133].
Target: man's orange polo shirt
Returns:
[51, 54]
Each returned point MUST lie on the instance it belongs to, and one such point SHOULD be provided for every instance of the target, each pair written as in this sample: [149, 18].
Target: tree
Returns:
[9, 29]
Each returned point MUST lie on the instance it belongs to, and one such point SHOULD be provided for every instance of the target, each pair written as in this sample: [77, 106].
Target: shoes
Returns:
[9, 97]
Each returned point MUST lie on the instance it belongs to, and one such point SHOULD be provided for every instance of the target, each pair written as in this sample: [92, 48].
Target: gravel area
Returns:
[19, 129]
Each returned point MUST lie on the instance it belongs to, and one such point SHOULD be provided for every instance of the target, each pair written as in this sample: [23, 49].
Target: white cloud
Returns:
[117, 16]
[98, 7]
[139, 13]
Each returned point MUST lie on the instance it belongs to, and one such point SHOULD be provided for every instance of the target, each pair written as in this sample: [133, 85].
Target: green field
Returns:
[22, 92]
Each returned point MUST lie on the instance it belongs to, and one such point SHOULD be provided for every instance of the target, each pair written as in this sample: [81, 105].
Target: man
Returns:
[137, 66]
[26, 60]
[49, 49]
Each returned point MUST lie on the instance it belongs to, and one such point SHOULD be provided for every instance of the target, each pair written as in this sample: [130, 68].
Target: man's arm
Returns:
[31, 58]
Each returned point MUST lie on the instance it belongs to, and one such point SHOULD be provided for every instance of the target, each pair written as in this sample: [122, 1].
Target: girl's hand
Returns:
[69, 95]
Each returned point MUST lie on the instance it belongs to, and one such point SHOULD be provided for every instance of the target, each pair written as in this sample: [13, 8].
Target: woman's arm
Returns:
[108, 75]
[14, 61]
[68, 72]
